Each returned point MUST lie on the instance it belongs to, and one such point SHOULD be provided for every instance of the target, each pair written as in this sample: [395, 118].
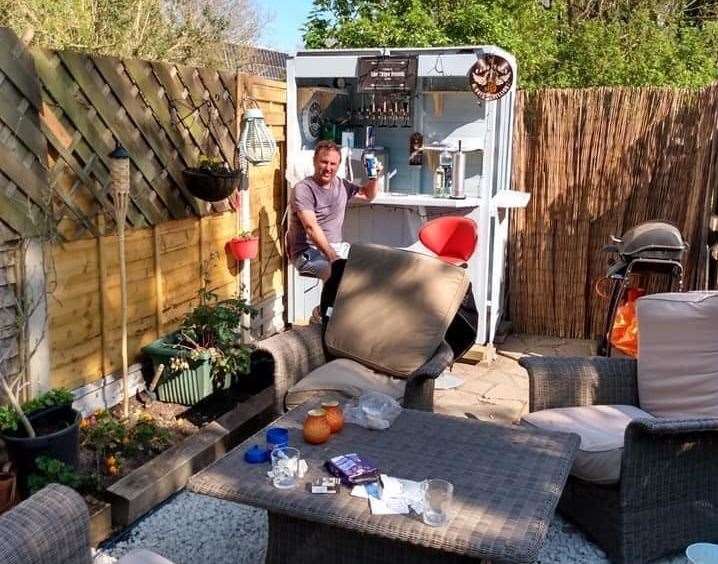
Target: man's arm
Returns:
[315, 233]
[369, 190]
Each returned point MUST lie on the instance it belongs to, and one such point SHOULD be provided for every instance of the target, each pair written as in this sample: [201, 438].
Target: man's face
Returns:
[326, 164]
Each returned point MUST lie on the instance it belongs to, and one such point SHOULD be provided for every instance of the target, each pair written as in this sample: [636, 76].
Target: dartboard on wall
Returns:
[490, 77]
[312, 120]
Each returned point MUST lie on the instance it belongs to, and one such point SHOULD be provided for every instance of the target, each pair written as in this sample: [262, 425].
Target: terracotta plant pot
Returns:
[316, 427]
[244, 248]
[335, 416]
[8, 488]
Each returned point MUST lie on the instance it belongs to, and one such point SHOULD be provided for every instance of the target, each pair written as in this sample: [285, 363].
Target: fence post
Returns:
[34, 291]
[243, 214]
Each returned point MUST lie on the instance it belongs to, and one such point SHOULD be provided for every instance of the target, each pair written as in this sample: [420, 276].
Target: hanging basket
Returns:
[244, 248]
[211, 186]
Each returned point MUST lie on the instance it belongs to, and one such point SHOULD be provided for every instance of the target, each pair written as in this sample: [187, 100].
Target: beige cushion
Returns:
[343, 379]
[678, 354]
[601, 428]
[393, 308]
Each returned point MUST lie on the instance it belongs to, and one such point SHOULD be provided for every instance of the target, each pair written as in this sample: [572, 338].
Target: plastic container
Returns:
[277, 437]
[185, 387]
[63, 444]
[702, 553]
[244, 248]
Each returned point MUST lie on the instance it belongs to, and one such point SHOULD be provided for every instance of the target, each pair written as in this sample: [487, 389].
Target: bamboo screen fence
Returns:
[60, 116]
[597, 162]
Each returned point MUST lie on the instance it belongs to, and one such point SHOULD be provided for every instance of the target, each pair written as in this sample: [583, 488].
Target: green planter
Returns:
[185, 387]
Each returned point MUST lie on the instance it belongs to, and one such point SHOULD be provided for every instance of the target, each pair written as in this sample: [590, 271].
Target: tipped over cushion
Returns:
[393, 308]
[678, 354]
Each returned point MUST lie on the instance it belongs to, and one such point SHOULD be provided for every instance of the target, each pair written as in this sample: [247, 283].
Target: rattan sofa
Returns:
[667, 495]
[287, 357]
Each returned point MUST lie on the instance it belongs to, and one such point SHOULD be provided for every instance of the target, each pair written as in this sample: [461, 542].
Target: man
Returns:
[318, 204]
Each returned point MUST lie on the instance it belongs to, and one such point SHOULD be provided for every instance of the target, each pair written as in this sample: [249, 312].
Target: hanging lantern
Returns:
[256, 141]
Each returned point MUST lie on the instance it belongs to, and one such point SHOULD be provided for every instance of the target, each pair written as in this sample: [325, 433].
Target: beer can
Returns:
[370, 165]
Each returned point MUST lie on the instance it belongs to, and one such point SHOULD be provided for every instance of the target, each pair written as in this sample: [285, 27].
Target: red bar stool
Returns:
[452, 238]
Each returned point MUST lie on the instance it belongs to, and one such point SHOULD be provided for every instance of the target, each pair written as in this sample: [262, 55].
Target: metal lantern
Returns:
[120, 187]
[256, 141]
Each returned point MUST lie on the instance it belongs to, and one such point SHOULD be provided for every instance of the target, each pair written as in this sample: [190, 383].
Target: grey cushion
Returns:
[601, 428]
[393, 308]
[678, 354]
[343, 379]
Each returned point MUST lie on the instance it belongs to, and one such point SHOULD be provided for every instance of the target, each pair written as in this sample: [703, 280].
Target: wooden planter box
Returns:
[100, 520]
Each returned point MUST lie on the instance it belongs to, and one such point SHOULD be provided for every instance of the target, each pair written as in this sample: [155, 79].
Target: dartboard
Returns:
[490, 77]
[312, 120]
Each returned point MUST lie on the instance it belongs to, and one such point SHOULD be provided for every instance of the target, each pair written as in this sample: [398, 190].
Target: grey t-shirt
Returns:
[327, 203]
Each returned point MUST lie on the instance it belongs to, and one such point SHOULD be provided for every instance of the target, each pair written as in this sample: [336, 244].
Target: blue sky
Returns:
[287, 17]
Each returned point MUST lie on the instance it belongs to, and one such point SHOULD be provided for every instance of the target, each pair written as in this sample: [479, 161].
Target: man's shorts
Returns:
[312, 261]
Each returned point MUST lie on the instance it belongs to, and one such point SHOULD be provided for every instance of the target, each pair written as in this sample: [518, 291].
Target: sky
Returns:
[286, 19]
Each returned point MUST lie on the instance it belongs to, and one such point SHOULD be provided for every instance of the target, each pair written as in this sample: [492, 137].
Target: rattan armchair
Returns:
[667, 496]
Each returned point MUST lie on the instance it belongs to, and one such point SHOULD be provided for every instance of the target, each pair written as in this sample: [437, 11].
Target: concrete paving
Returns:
[498, 391]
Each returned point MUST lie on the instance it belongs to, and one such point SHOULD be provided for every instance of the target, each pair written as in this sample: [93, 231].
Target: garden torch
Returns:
[120, 186]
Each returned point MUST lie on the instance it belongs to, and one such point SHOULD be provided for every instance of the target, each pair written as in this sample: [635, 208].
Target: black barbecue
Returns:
[651, 247]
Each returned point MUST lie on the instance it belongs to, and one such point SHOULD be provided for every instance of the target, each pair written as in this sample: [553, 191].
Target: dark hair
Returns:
[326, 146]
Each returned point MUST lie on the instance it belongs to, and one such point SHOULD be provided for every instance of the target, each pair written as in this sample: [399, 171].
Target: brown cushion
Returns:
[601, 428]
[393, 308]
[678, 354]
[343, 379]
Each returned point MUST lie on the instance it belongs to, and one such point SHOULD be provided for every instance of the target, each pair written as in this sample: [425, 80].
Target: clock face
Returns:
[490, 77]
[340, 82]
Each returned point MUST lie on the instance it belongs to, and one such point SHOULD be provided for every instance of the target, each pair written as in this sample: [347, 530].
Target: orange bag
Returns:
[624, 333]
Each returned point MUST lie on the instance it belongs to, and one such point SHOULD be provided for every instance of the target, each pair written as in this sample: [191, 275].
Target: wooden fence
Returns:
[61, 114]
[597, 162]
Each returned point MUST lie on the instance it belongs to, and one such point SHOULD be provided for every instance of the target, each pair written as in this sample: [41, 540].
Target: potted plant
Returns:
[211, 180]
[44, 426]
[244, 246]
[204, 354]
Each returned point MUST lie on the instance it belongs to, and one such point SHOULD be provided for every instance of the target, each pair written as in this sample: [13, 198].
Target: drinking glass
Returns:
[438, 495]
[285, 467]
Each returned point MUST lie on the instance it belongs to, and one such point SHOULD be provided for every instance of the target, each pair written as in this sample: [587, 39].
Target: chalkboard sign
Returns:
[386, 74]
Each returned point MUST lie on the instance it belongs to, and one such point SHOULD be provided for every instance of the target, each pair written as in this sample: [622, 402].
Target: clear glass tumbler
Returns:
[285, 467]
[438, 495]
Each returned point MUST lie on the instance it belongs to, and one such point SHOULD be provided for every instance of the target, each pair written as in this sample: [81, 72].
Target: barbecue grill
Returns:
[651, 247]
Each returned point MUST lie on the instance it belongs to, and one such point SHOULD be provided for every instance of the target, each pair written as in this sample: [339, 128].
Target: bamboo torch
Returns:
[120, 181]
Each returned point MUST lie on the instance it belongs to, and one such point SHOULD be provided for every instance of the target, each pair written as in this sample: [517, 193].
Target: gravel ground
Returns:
[195, 529]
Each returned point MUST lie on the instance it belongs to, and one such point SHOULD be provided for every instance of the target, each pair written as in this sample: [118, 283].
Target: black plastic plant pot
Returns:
[211, 186]
[62, 443]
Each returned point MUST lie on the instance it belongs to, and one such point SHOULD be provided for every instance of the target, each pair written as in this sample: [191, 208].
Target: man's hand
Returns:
[371, 188]
[316, 234]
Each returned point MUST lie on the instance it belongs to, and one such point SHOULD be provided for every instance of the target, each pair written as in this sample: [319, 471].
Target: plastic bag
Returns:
[624, 333]
[373, 410]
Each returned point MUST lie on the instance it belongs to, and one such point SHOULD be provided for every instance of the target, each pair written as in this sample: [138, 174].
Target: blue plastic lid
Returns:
[256, 455]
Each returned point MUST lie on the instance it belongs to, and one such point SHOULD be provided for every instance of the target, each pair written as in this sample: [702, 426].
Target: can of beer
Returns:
[370, 165]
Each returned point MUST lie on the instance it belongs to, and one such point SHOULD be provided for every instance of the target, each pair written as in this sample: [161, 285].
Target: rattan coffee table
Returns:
[507, 482]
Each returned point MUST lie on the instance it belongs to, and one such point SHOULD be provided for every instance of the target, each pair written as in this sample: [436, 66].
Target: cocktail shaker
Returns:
[458, 174]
